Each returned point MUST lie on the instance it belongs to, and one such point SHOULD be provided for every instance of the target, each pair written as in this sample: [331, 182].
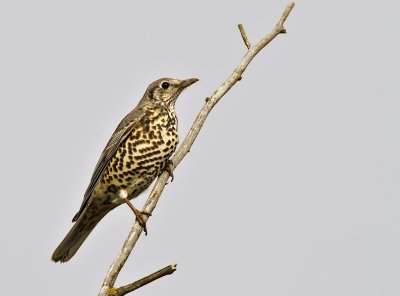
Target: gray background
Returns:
[292, 187]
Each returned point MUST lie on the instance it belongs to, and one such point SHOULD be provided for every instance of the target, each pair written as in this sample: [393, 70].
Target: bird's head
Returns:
[166, 90]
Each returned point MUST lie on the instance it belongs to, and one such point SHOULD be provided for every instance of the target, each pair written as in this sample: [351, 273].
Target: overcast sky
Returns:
[291, 188]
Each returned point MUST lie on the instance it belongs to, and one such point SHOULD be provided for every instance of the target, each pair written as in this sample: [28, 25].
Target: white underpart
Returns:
[123, 194]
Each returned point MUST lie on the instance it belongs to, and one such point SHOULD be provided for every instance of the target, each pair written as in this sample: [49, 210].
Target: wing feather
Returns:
[122, 131]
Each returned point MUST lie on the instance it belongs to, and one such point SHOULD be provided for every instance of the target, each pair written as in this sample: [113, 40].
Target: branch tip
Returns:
[170, 269]
[244, 36]
[285, 15]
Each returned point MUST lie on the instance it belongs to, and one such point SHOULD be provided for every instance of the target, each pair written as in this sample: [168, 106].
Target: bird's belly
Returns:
[138, 161]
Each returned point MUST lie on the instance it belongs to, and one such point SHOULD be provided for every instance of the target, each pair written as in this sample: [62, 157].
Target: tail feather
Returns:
[74, 239]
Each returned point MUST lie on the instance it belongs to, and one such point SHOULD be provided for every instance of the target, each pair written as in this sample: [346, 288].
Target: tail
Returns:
[75, 237]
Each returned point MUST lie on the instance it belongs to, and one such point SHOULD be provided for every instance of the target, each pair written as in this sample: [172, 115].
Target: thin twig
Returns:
[144, 281]
[244, 36]
[184, 148]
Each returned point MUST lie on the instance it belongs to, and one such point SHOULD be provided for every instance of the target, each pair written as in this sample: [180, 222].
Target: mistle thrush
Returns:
[136, 154]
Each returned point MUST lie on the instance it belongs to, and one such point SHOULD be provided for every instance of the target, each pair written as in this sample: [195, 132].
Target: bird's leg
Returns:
[168, 168]
[138, 215]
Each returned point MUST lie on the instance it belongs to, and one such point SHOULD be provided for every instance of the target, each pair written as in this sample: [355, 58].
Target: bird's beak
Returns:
[182, 85]
[188, 82]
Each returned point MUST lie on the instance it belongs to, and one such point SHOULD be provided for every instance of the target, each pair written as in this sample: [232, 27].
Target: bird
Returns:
[137, 152]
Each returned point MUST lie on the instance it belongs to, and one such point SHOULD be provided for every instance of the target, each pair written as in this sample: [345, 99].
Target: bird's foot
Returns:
[168, 168]
[139, 215]
[140, 220]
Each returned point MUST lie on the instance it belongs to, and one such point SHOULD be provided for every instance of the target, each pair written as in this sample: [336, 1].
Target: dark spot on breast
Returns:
[142, 162]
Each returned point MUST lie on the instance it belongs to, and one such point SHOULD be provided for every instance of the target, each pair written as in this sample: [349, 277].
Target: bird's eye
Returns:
[165, 85]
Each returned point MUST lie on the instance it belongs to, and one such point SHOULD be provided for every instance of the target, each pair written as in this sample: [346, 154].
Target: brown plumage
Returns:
[134, 156]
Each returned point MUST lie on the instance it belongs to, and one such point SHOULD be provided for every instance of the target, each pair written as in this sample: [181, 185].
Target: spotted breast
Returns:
[141, 157]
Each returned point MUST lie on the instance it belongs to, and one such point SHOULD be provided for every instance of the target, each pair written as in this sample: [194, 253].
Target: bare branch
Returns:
[144, 281]
[184, 148]
[285, 15]
[244, 36]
